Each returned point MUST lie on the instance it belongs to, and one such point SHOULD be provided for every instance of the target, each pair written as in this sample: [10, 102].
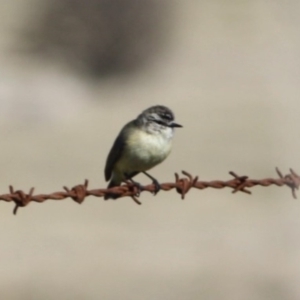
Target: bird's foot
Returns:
[157, 186]
[136, 185]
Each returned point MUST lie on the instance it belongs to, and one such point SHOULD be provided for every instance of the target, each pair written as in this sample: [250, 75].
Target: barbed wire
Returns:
[182, 185]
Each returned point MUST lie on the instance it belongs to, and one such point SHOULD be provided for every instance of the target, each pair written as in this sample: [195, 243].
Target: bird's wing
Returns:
[115, 152]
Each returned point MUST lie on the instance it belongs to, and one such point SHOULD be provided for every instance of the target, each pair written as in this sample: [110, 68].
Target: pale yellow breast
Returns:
[144, 151]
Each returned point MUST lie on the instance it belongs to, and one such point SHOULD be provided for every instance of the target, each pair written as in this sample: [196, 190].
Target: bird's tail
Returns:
[112, 183]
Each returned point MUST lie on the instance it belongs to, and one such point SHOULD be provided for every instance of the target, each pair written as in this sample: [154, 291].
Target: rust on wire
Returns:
[182, 185]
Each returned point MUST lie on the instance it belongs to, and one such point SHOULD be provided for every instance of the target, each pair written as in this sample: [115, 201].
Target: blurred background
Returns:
[73, 72]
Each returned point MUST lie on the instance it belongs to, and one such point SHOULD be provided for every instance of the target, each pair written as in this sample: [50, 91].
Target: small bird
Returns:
[142, 144]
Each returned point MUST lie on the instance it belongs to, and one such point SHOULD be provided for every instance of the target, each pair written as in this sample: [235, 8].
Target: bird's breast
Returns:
[144, 150]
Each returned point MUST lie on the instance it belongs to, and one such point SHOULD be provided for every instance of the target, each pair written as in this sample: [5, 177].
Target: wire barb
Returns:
[182, 185]
[241, 183]
[78, 192]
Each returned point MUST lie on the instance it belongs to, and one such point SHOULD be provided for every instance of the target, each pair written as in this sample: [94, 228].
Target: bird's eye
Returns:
[167, 117]
[159, 122]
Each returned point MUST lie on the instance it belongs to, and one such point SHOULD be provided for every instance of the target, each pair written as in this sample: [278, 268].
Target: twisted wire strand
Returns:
[182, 185]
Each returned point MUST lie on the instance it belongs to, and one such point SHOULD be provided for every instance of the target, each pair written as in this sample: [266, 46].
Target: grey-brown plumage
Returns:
[141, 144]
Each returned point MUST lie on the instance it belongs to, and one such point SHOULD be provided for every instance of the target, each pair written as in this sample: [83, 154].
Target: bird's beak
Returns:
[172, 125]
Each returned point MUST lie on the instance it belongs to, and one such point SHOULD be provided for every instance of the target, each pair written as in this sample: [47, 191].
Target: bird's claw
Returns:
[157, 187]
[138, 187]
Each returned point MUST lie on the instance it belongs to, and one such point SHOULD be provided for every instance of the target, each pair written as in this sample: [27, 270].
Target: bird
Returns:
[141, 144]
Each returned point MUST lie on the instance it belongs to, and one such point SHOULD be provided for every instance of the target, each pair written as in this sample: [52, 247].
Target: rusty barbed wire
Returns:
[182, 185]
